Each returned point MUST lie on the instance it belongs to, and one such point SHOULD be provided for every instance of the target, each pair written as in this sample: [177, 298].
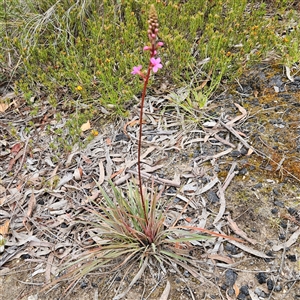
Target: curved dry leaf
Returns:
[293, 239]
[166, 292]
[86, 126]
[78, 173]
[4, 228]
[3, 106]
[249, 249]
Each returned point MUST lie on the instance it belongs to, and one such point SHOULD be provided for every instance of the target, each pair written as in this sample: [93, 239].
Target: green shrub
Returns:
[83, 51]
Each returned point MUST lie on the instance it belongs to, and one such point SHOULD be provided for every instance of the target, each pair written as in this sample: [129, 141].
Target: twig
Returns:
[235, 133]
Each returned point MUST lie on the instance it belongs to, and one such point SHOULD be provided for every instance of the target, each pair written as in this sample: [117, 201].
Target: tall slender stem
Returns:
[146, 80]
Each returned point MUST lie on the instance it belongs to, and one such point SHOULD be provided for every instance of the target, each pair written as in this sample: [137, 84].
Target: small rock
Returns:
[212, 197]
[186, 274]
[292, 211]
[270, 284]
[243, 171]
[283, 224]
[230, 292]
[279, 203]
[258, 186]
[260, 293]
[121, 137]
[235, 153]
[261, 277]
[171, 190]
[277, 288]
[230, 277]
[292, 257]
[244, 290]
[231, 248]
[244, 151]
[276, 192]
[241, 296]
[274, 211]
[281, 236]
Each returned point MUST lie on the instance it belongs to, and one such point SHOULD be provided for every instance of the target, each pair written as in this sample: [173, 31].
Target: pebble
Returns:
[258, 186]
[260, 293]
[270, 284]
[283, 224]
[261, 277]
[277, 288]
[274, 211]
[235, 153]
[276, 192]
[292, 257]
[279, 203]
[292, 211]
[171, 190]
[241, 296]
[244, 290]
[231, 248]
[121, 137]
[212, 197]
[244, 151]
[230, 292]
[281, 236]
[230, 277]
[186, 274]
[243, 171]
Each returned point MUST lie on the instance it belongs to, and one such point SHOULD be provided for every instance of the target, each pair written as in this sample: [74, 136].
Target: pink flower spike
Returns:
[146, 48]
[155, 64]
[137, 70]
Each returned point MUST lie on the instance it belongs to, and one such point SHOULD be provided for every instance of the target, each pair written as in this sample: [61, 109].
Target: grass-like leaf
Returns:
[125, 235]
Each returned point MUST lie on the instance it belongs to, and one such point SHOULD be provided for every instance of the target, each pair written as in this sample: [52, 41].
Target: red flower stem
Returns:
[146, 80]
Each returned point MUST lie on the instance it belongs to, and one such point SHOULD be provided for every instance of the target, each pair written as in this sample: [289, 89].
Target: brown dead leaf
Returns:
[78, 173]
[86, 126]
[4, 228]
[31, 207]
[131, 123]
[16, 148]
[15, 159]
[250, 151]
[239, 231]
[93, 197]
[222, 258]
[3, 106]
[236, 290]
[166, 292]
[116, 173]
[86, 159]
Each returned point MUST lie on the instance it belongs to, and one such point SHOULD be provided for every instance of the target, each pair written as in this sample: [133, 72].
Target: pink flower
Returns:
[159, 44]
[155, 64]
[137, 70]
[146, 48]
